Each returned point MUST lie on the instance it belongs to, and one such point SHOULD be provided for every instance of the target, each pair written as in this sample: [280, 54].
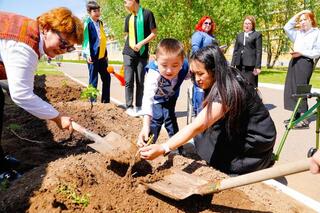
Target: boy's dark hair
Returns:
[170, 46]
[92, 5]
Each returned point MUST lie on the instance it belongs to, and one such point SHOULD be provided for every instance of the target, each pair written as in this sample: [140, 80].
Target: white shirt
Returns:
[97, 27]
[306, 43]
[150, 89]
[245, 35]
[20, 62]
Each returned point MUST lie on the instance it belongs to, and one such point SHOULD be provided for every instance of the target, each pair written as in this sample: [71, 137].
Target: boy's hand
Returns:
[143, 137]
[137, 47]
[295, 54]
[89, 60]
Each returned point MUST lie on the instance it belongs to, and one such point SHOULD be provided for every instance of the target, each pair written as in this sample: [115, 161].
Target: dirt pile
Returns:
[61, 173]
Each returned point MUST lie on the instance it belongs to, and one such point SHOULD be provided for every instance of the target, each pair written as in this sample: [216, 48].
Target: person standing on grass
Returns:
[162, 85]
[95, 50]
[140, 28]
[22, 42]
[303, 32]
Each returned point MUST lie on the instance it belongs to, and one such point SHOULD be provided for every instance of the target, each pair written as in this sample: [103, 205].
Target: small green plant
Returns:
[14, 127]
[90, 93]
[64, 83]
[4, 185]
[70, 193]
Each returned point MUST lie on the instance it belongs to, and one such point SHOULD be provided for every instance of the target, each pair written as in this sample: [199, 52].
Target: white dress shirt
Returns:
[20, 62]
[306, 43]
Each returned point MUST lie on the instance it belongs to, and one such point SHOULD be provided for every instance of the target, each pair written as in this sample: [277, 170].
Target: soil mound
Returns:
[61, 173]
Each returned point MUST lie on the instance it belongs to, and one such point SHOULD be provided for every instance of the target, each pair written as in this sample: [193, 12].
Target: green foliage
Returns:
[90, 93]
[70, 193]
[4, 185]
[178, 19]
[14, 126]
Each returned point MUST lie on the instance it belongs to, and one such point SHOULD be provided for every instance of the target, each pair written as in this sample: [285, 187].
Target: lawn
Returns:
[278, 75]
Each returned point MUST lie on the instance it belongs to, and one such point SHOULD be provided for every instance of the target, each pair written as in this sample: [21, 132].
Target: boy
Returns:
[95, 51]
[140, 28]
[163, 80]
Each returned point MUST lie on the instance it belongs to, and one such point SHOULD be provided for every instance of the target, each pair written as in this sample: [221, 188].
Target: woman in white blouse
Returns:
[302, 30]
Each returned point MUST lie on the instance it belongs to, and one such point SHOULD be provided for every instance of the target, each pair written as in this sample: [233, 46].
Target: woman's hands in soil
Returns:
[63, 122]
[315, 163]
[151, 152]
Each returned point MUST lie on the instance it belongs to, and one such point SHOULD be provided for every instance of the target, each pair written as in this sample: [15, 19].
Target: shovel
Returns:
[109, 144]
[181, 185]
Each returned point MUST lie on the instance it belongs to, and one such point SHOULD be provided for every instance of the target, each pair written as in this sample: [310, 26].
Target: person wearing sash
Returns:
[22, 42]
[94, 49]
[140, 29]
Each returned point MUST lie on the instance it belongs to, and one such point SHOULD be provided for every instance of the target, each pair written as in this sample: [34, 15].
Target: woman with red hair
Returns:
[303, 32]
[202, 37]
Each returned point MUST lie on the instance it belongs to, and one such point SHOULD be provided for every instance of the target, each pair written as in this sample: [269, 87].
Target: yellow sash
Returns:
[103, 42]
[132, 34]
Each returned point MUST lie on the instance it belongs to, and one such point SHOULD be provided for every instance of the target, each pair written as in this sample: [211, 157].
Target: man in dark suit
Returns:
[247, 51]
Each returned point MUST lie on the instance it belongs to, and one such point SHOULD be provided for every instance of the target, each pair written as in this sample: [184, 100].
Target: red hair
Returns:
[200, 23]
[312, 18]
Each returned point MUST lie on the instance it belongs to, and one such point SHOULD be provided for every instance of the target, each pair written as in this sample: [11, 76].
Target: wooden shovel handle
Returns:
[85, 132]
[265, 174]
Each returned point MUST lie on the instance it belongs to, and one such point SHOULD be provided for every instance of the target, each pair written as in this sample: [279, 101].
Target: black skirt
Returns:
[299, 72]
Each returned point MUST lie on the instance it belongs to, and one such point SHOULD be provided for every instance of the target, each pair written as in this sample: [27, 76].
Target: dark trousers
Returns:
[134, 69]
[1, 120]
[164, 113]
[247, 72]
[100, 66]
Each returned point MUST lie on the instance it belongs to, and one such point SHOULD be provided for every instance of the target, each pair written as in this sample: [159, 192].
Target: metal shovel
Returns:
[181, 185]
[110, 144]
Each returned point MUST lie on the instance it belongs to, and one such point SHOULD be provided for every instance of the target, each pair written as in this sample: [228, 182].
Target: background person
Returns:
[202, 37]
[21, 45]
[140, 28]
[302, 30]
[247, 52]
[234, 132]
[95, 50]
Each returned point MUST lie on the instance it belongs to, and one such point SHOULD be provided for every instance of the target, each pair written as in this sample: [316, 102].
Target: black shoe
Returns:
[8, 163]
[286, 121]
[301, 125]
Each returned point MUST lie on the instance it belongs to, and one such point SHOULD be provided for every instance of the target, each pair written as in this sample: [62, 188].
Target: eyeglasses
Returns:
[64, 45]
[207, 23]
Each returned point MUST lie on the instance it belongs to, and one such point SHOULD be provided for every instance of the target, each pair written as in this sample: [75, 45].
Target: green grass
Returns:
[47, 69]
[84, 61]
[277, 76]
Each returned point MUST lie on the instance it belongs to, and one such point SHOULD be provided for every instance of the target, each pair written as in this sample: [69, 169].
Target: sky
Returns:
[34, 8]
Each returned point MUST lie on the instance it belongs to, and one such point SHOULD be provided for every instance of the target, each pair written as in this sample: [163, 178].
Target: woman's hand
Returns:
[295, 54]
[143, 137]
[256, 71]
[315, 163]
[151, 152]
[63, 122]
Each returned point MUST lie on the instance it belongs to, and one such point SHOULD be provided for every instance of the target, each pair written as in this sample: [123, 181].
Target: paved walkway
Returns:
[297, 144]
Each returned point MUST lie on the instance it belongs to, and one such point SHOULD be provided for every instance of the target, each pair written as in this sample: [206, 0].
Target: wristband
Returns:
[166, 148]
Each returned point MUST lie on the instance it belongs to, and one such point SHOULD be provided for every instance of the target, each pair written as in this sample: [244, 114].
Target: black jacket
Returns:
[251, 53]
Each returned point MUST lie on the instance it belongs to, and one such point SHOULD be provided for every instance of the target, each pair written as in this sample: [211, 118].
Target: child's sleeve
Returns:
[150, 88]
[86, 43]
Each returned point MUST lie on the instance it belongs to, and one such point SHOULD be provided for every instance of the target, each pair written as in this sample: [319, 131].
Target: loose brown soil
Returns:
[60, 169]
